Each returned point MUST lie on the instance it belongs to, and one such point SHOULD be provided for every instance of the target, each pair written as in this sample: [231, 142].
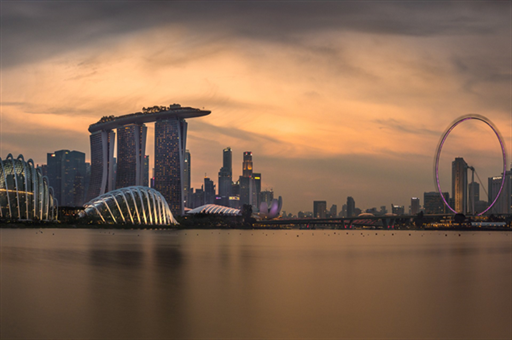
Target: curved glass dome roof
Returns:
[24, 191]
[215, 209]
[135, 205]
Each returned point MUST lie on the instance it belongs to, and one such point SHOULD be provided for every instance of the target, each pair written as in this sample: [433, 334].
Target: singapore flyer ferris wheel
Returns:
[442, 142]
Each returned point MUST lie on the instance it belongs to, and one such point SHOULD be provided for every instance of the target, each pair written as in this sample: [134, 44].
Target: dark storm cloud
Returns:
[37, 30]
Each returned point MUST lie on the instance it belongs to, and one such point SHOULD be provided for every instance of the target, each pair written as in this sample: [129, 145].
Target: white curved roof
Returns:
[136, 205]
[215, 209]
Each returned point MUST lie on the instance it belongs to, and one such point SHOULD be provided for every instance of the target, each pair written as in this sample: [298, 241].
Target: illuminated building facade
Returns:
[25, 193]
[247, 164]
[66, 172]
[170, 142]
[131, 205]
[460, 185]
[131, 152]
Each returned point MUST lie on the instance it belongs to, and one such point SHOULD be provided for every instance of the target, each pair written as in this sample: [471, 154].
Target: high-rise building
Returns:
[504, 202]
[415, 205]
[319, 209]
[66, 174]
[247, 164]
[245, 190]
[209, 191]
[225, 177]
[257, 189]
[433, 203]
[397, 209]
[187, 176]
[131, 149]
[145, 175]
[102, 165]
[460, 184]
[474, 196]
[351, 207]
[170, 142]
[333, 212]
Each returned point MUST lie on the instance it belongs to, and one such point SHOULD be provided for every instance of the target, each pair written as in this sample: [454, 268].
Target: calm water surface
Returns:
[101, 284]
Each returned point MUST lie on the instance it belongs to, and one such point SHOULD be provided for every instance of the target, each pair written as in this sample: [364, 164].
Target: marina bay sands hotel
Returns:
[170, 146]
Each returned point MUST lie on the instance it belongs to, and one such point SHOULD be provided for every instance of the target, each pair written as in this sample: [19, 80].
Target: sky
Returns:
[334, 99]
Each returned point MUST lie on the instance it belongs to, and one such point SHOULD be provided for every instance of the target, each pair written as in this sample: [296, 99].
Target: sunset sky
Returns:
[334, 99]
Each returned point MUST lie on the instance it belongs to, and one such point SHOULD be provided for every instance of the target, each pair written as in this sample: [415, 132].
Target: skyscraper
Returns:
[351, 207]
[460, 185]
[131, 149]
[247, 164]
[257, 189]
[66, 174]
[415, 205]
[504, 202]
[433, 203]
[225, 176]
[474, 196]
[319, 209]
[187, 179]
[102, 166]
[145, 176]
[333, 212]
[209, 191]
[170, 142]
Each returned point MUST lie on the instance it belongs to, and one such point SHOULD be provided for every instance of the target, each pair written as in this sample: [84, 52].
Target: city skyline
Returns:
[333, 99]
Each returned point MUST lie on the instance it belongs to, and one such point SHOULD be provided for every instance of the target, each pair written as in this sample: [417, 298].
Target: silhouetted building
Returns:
[319, 209]
[503, 204]
[209, 191]
[351, 206]
[145, 174]
[433, 203]
[187, 178]
[170, 142]
[460, 184]
[245, 190]
[257, 189]
[333, 212]
[397, 209]
[474, 196]
[225, 177]
[66, 174]
[102, 165]
[415, 205]
[131, 149]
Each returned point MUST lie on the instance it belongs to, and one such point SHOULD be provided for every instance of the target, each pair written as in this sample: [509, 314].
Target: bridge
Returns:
[381, 222]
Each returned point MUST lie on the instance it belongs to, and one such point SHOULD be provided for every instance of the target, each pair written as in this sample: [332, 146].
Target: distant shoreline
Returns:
[52, 225]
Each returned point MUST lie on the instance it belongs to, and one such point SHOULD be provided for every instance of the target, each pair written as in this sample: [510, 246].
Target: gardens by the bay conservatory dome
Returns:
[132, 205]
[24, 191]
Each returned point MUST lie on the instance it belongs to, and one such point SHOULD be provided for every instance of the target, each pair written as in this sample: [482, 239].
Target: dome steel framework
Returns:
[215, 209]
[24, 191]
[134, 205]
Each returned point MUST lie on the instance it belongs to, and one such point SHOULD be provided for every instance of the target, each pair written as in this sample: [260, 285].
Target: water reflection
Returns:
[254, 284]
